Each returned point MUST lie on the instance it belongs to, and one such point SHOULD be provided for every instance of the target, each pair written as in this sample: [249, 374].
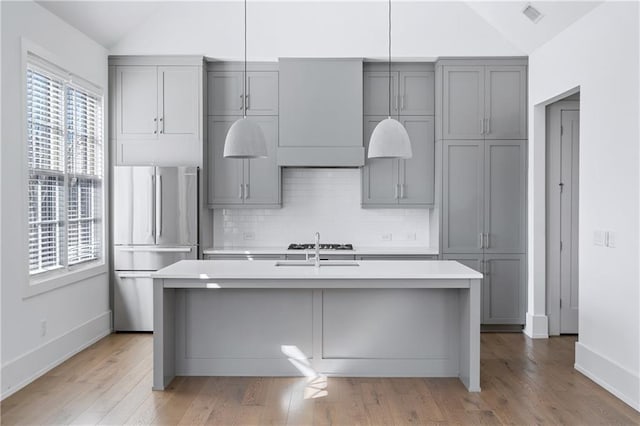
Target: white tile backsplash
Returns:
[323, 200]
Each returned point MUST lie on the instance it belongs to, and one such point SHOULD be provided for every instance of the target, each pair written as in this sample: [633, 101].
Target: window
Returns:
[65, 144]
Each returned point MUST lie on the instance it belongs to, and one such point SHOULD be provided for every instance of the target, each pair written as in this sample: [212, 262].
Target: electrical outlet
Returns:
[248, 235]
[43, 328]
[386, 237]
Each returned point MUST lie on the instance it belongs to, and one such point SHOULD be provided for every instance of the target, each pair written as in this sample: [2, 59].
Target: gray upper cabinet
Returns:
[484, 102]
[505, 208]
[226, 96]
[136, 102]
[483, 197]
[463, 102]
[416, 175]
[462, 196]
[401, 183]
[505, 102]
[158, 110]
[412, 93]
[242, 182]
[379, 175]
[376, 93]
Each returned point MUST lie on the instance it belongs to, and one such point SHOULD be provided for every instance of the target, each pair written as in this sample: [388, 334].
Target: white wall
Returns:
[76, 314]
[600, 54]
[320, 29]
[327, 201]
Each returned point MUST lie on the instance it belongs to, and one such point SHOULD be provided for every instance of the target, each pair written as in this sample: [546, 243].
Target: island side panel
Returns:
[469, 369]
[163, 335]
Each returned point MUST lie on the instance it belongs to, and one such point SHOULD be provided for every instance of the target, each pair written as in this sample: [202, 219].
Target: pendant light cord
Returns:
[389, 58]
[244, 77]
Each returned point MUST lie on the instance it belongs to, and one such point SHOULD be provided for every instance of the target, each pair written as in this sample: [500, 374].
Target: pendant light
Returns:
[245, 138]
[389, 138]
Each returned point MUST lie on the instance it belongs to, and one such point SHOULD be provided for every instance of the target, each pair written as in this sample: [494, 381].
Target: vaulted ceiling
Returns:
[110, 22]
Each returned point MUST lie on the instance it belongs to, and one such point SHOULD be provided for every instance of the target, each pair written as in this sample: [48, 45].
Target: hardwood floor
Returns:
[523, 382]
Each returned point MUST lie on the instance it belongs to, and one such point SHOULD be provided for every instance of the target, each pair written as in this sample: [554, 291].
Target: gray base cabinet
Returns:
[503, 286]
[157, 112]
[234, 183]
[483, 101]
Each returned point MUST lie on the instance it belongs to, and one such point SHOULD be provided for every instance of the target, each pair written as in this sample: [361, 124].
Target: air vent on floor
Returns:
[532, 13]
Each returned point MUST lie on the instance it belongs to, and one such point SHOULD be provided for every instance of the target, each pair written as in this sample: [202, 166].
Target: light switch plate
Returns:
[611, 239]
[599, 238]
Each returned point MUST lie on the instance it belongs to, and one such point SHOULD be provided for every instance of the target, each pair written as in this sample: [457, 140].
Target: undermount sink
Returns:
[322, 263]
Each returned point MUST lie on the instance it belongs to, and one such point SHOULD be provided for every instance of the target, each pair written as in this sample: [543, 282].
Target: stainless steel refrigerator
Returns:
[155, 224]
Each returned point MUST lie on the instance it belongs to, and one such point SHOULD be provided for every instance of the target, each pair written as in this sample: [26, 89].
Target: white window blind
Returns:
[64, 133]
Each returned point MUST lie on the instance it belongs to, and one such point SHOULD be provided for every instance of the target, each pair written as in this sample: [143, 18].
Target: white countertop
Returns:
[267, 270]
[357, 251]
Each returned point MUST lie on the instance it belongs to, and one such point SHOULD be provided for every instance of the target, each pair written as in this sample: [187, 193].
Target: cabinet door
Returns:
[379, 175]
[179, 97]
[133, 302]
[376, 93]
[262, 176]
[137, 102]
[505, 102]
[417, 178]
[473, 261]
[134, 205]
[462, 196]
[224, 93]
[262, 93]
[417, 93]
[225, 177]
[176, 206]
[504, 182]
[504, 289]
[463, 102]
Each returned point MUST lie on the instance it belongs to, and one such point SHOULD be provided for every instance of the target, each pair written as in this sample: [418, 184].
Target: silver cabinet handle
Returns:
[403, 96]
[246, 191]
[482, 126]
[487, 267]
[159, 205]
[246, 101]
[402, 190]
[155, 120]
[396, 194]
[396, 102]
[488, 126]
[162, 122]
[241, 101]
[241, 192]
[480, 240]
[486, 240]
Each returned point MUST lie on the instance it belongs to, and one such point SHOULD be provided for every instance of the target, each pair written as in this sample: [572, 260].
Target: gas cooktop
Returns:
[295, 246]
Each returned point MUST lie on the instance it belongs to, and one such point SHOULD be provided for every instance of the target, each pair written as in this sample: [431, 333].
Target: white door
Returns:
[569, 222]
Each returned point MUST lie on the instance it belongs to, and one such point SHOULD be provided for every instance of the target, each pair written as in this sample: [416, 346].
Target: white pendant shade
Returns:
[389, 140]
[245, 140]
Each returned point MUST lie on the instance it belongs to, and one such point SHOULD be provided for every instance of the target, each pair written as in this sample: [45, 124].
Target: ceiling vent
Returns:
[532, 13]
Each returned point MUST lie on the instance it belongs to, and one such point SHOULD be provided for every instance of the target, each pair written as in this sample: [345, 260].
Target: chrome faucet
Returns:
[317, 259]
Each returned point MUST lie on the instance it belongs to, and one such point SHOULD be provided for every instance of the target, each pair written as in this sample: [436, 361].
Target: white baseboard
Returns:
[23, 370]
[618, 380]
[537, 326]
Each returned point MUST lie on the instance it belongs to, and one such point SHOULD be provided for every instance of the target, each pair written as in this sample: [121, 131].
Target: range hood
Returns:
[320, 113]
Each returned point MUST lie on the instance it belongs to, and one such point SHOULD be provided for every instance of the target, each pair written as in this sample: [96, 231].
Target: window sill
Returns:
[37, 285]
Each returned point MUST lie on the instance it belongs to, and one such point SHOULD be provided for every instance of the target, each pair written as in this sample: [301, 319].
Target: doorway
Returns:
[563, 143]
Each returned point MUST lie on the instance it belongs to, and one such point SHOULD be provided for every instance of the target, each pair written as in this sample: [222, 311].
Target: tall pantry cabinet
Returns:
[481, 131]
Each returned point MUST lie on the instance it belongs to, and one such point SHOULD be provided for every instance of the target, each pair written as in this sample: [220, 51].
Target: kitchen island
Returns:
[288, 318]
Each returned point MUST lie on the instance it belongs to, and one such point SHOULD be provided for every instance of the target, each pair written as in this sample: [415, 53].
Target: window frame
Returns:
[40, 58]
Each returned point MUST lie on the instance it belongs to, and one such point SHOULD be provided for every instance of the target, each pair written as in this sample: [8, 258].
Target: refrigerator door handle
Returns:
[159, 205]
[157, 249]
[152, 211]
[134, 275]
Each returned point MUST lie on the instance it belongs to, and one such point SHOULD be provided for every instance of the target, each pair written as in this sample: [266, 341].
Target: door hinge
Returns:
[561, 185]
